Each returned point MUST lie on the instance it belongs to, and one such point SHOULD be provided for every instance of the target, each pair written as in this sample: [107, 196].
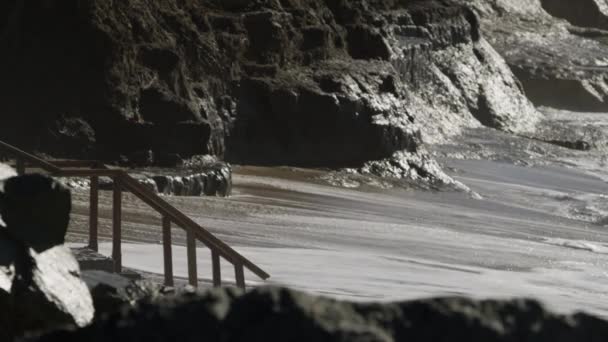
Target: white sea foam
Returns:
[395, 244]
[579, 244]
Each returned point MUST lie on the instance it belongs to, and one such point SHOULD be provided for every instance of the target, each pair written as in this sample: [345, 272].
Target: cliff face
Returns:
[558, 63]
[583, 13]
[332, 83]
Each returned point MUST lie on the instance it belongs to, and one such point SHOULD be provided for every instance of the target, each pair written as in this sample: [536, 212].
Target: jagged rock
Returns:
[210, 180]
[559, 65]
[419, 167]
[315, 83]
[275, 314]
[203, 178]
[40, 285]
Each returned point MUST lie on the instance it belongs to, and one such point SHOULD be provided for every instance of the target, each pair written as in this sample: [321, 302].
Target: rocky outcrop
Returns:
[274, 314]
[583, 13]
[40, 284]
[195, 179]
[315, 83]
[559, 65]
[200, 176]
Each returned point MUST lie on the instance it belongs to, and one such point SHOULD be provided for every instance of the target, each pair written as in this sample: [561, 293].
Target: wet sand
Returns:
[394, 244]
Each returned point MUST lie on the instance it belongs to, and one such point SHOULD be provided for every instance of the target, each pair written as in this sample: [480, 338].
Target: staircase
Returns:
[170, 215]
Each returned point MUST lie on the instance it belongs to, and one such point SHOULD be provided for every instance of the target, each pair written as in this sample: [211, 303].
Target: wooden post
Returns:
[191, 246]
[20, 167]
[94, 214]
[240, 275]
[116, 226]
[217, 271]
[167, 251]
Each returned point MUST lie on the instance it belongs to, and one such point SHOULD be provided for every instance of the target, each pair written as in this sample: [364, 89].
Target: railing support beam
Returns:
[191, 251]
[168, 257]
[117, 226]
[94, 214]
[124, 182]
[20, 165]
[240, 275]
[216, 269]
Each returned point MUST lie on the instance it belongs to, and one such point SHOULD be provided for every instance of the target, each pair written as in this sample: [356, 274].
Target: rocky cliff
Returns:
[316, 83]
[556, 48]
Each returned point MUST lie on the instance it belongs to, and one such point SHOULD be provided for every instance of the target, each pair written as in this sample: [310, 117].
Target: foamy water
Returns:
[393, 244]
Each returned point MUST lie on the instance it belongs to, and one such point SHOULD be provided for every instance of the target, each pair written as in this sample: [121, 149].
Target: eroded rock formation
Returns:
[200, 176]
[316, 83]
[559, 65]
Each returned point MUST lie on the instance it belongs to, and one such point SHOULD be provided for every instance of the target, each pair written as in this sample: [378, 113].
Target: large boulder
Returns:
[36, 210]
[40, 285]
[199, 176]
[276, 314]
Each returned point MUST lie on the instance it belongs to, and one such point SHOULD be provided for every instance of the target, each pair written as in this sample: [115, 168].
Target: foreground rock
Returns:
[313, 83]
[275, 314]
[40, 285]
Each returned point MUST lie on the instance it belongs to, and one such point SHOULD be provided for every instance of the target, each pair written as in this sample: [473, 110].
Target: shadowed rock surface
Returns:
[40, 285]
[202, 177]
[583, 13]
[275, 314]
[215, 183]
[317, 83]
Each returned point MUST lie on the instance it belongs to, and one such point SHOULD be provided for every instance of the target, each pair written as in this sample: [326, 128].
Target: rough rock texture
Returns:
[198, 177]
[110, 300]
[202, 177]
[316, 83]
[559, 65]
[274, 314]
[419, 167]
[40, 285]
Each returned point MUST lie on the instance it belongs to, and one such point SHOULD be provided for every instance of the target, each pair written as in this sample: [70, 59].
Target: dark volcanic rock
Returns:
[110, 300]
[274, 314]
[198, 176]
[40, 285]
[36, 210]
[216, 182]
[326, 83]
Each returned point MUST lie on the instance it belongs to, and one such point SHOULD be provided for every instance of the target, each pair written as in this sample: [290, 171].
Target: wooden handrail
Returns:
[77, 163]
[187, 223]
[123, 180]
[29, 158]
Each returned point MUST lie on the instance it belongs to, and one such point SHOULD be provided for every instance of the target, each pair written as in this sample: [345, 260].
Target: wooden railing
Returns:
[170, 215]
